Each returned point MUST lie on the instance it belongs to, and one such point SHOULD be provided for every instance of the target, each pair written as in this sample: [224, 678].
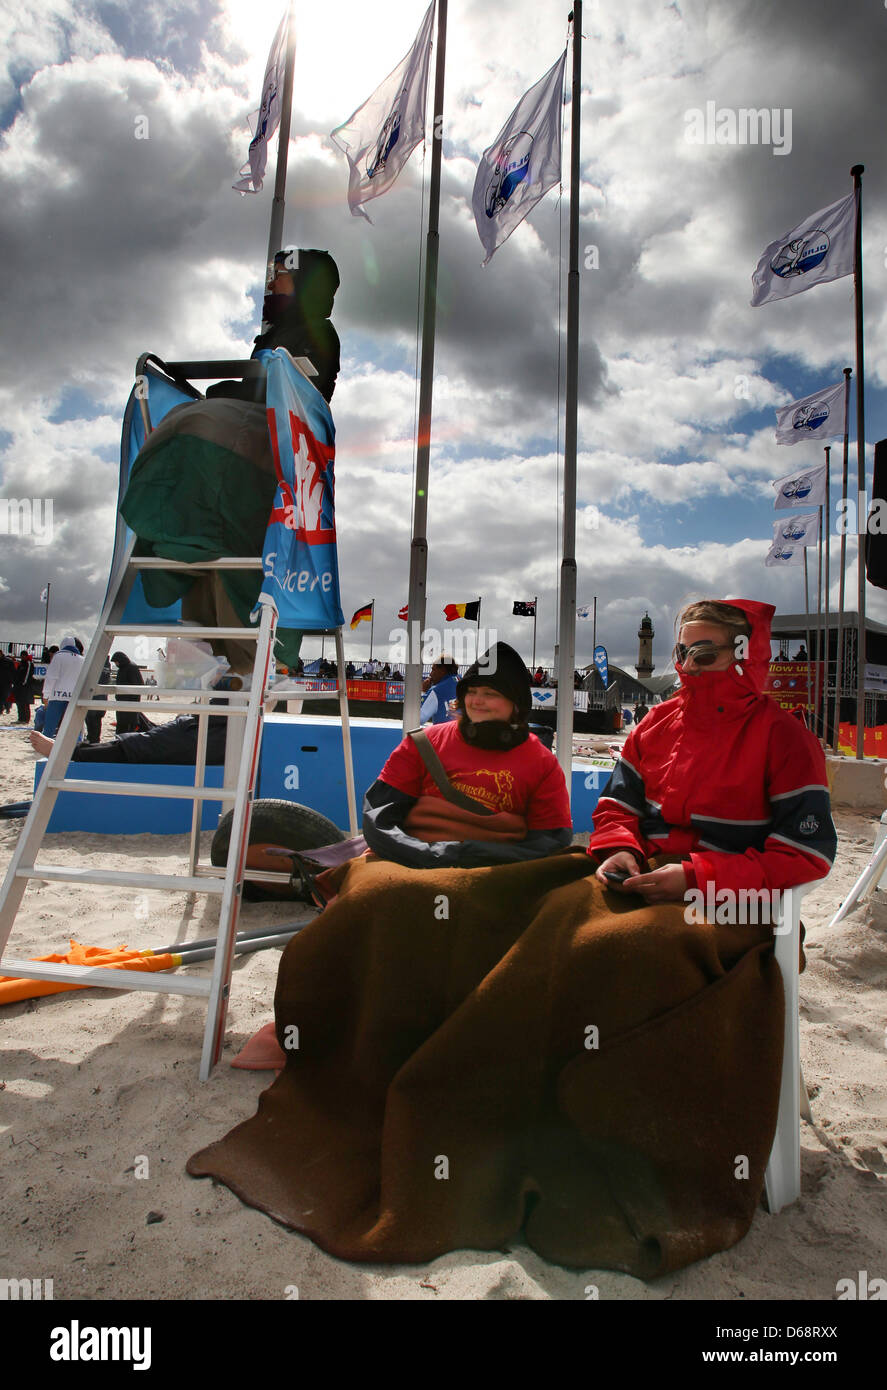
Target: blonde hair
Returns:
[734, 622]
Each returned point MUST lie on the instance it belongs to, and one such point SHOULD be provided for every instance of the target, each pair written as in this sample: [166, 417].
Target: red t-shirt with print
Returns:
[526, 780]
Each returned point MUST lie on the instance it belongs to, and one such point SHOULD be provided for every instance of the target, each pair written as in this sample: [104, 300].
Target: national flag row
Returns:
[521, 608]
[521, 165]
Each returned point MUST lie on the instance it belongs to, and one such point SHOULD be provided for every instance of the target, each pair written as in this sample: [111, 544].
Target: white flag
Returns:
[584, 612]
[796, 530]
[819, 416]
[378, 139]
[783, 554]
[45, 595]
[800, 489]
[819, 249]
[522, 163]
[265, 121]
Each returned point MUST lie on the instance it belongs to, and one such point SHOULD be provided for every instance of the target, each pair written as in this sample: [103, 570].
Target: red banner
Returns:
[786, 683]
[874, 741]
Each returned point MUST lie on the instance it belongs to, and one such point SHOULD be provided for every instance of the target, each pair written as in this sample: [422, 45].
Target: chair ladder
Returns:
[239, 789]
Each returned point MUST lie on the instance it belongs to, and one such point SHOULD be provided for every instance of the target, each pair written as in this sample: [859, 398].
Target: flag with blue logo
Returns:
[600, 663]
[379, 137]
[805, 488]
[820, 416]
[265, 121]
[299, 559]
[819, 249]
[522, 163]
[797, 530]
[781, 554]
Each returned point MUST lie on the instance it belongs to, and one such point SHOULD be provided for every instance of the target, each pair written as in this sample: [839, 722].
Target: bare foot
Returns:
[41, 744]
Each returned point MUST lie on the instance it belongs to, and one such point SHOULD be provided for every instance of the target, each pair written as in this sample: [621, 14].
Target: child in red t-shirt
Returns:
[489, 755]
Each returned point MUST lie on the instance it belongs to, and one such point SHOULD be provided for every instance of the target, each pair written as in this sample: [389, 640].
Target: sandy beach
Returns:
[101, 1107]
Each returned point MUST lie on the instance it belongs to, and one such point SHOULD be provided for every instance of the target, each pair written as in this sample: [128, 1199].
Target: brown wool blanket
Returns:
[492, 1054]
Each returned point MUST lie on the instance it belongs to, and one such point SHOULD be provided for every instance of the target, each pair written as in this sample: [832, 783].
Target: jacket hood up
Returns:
[744, 678]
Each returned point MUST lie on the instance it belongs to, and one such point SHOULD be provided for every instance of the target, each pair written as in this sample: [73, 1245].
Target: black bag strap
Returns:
[435, 768]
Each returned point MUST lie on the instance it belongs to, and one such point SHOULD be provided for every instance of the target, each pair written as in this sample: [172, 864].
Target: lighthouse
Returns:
[644, 667]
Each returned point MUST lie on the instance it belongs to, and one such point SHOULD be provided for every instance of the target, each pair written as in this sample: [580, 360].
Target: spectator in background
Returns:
[7, 680]
[94, 717]
[21, 687]
[801, 654]
[439, 689]
[58, 686]
[128, 673]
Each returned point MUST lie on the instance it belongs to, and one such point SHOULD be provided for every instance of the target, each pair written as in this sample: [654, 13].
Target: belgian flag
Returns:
[471, 611]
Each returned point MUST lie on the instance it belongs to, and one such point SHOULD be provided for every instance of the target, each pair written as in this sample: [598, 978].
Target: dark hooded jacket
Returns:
[724, 778]
[300, 322]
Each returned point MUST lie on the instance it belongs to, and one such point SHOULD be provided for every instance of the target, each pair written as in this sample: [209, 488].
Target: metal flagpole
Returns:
[839, 673]
[594, 627]
[861, 524]
[372, 621]
[807, 630]
[46, 615]
[275, 234]
[412, 695]
[827, 541]
[567, 613]
[477, 634]
[535, 606]
[816, 699]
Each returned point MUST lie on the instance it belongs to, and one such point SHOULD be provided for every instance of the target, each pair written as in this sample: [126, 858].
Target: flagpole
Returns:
[818, 702]
[567, 614]
[477, 634]
[275, 234]
[535, 606]
[372, 621]
[594, 628]
[861, 528]
[839, 673]
[827, 541]
[412, 695]
[46, 615]
[807, 630]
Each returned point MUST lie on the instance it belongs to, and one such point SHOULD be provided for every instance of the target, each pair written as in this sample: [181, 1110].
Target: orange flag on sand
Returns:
[12, 988]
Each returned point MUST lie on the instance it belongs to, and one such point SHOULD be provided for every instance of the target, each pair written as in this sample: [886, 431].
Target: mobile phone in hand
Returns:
[617, 875]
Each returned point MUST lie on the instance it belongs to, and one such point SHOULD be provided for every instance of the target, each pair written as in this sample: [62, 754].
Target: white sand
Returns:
[95, 1079]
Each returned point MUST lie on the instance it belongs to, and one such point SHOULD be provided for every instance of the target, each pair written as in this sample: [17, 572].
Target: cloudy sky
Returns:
[111, 245]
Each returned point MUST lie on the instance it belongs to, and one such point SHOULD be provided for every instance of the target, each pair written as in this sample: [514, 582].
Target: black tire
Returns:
[275, 822]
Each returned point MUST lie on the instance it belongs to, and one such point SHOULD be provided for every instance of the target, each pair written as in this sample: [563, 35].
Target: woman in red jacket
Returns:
[718, 780]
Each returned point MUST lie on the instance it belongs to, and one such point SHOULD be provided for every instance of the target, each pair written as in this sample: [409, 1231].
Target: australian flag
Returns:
[524, 609]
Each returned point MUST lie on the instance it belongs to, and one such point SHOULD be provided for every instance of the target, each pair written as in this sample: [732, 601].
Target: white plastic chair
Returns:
[782, 1181]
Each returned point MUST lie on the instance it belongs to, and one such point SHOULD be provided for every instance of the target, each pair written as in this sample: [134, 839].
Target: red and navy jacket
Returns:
[723, 777]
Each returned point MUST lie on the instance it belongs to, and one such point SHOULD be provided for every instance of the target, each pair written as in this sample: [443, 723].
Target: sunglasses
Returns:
[702, 653]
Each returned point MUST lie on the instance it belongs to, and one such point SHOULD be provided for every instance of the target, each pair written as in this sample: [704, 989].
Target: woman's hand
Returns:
[621, 862]
[666, 885]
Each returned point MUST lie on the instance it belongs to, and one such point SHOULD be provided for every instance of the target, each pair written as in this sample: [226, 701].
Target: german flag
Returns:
[452, 611]
[363, 615]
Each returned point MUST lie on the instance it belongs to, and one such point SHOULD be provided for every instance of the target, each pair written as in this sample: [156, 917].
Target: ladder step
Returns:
[163, 707]
[164, 789]
[227, 562]
[107, 978]
[254, 875]
[177, 630]
[173, 883]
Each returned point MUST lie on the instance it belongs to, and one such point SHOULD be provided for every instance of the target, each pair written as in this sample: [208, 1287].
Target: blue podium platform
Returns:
[104, 814]
[301, 760]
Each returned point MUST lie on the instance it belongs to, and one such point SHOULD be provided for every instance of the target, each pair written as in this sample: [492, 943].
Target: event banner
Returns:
[786, 683]
[299, 559]
[547, 699]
